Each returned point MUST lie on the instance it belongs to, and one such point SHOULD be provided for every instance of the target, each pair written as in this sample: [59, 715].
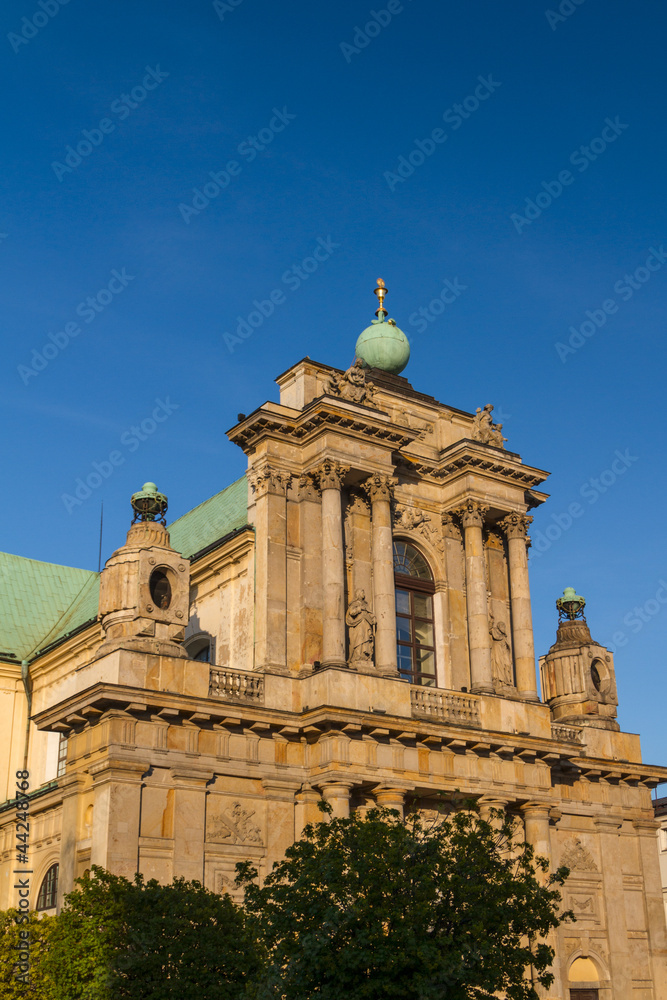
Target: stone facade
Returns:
[178, 766]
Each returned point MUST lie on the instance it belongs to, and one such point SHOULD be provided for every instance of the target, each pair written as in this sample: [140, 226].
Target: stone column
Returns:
[116, 815]
[488, 803]
[456, 604]
[390, 798]
[73, 787]
[337, 794]
[479, 640]
[538, 835]
[330, 475]
[379, 489]
[269, 487]
[280, 817]
[655, 925]
[515, 526]
[189, 823]
[620, 946]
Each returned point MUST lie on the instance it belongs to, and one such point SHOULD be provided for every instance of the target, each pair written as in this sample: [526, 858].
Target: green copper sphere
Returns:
[382, 345]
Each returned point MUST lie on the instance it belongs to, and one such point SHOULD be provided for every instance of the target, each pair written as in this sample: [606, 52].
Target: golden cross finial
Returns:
[381, 291]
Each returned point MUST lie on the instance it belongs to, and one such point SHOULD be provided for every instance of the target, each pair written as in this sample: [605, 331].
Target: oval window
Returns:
[160, 589]
[595, 675]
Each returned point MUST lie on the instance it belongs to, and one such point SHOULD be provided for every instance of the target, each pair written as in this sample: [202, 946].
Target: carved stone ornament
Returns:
[357, 505]
[472, 513]
[269, 480]
[235, 827]
[413, 519]
[577, 857]
[484, 429]
[308, 488]
[516, 525]
[361, 625]
[450, 526]
[406, 419]
[353, 385]
[379, 487]
[330, 474]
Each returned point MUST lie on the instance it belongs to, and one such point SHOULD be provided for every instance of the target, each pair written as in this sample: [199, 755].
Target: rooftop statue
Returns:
[484, 429]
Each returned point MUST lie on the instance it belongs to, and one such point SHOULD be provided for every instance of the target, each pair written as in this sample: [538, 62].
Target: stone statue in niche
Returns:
[484, 429]
[361, 629]
[501, 654]
[352, 385]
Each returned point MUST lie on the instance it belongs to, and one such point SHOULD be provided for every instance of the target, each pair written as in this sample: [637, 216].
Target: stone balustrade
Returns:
[445, 706]
[236, 685]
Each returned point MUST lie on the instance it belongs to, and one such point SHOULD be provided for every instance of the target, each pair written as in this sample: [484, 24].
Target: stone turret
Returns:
[145, 585]
[578, 677]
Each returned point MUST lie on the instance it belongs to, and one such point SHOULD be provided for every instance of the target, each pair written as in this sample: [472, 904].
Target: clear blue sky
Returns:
[169, 92]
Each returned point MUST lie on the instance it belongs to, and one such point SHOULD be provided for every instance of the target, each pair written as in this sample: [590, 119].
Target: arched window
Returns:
[415, 641]
[48, 890]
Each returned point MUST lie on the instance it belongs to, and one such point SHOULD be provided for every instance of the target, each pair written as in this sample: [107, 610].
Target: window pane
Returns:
[423, 605]
[426, 661]
[403, 630]
[409, 562]
[402, 602]
[424, 633]
[404, 657]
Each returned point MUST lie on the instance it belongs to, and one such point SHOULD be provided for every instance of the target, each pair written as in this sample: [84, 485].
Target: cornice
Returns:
[326, 412]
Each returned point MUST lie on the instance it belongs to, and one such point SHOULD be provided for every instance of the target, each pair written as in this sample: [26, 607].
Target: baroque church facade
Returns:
[350, 620]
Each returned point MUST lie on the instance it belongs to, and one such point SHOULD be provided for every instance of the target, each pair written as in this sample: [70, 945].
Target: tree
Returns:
[377, 909]
[18, 953]
[117, 939]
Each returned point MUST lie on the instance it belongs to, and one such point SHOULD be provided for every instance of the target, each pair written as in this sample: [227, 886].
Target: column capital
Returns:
[329, 474]
[269, 480]
[471, 513]
[450, 526]
[515, 525]
[308, 487]
[379, 486]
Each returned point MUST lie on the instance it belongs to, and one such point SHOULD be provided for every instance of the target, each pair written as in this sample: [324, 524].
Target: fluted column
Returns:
[515, 526]
[379, 489]
[479, 640]
[330, 475]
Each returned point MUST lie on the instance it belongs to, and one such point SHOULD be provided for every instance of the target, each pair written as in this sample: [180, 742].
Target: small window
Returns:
[48, 891]
[160, 589]
[62, 756]
[409, 562]
[200, 647]
[663, 839]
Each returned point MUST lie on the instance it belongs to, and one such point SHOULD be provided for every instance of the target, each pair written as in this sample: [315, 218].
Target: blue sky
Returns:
[535, 198]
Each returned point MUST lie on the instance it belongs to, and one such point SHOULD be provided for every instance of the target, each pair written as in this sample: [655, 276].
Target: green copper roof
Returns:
[41, 603]
[382, 345]
[211, 520]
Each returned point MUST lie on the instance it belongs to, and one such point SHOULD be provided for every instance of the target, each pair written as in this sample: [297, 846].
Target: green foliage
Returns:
[12, 946]
[117, 939]
[375, 909]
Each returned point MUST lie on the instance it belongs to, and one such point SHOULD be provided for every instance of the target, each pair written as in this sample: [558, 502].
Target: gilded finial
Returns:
[381, 291]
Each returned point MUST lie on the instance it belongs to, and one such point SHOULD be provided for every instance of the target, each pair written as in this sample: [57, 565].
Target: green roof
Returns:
[42, 603]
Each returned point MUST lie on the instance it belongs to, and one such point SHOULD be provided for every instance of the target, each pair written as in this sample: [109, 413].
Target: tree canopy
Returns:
[374, 908]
